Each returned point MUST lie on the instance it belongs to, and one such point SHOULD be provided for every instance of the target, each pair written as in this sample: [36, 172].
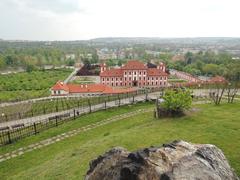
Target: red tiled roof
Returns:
[134, 64]
[60, 86]
[110, 90]
[217, 79]
[89, 88]
[156, 72]
[112, 73]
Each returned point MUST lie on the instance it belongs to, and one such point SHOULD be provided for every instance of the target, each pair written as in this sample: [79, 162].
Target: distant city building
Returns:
[134, 74]
[70, 56]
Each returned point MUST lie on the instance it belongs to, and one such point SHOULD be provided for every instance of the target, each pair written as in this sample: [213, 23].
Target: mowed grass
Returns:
[68, 159]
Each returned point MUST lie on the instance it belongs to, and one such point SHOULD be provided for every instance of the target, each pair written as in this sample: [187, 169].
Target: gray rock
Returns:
[178, 160]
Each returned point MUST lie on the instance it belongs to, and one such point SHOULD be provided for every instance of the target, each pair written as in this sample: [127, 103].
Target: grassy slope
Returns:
[69, 159]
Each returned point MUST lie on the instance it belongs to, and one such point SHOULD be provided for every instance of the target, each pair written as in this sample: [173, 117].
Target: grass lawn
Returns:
[26, 85]
[68, 159]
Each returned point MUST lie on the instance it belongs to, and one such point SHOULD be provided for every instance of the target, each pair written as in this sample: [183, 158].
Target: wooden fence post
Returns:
[89, 104]
[133, 98]
[56, 120]
[105, 105]
[19, 115]
[146, 95]
[74, 114]
[35, 128]
[9, 137]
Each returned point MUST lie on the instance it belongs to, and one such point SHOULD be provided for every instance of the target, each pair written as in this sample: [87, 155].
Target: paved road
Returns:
[71, 75]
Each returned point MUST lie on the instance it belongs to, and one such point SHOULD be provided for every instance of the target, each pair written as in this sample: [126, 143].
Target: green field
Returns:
[26, 85]
[68, 159]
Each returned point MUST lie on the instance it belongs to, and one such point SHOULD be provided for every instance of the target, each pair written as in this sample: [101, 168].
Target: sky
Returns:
[87, 19]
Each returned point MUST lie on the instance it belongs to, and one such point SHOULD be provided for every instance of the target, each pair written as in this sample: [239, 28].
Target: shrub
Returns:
[176, 101]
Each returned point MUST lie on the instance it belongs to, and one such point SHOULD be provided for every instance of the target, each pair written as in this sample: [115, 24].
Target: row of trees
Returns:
[204, 63]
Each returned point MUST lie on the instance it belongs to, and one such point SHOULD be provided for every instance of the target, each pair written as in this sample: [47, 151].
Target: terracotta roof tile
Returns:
[89, 88]
[134, 64]
[156, 72]
[60, 86]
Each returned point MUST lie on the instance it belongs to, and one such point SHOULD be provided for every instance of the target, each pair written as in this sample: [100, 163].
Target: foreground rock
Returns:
[178, 160]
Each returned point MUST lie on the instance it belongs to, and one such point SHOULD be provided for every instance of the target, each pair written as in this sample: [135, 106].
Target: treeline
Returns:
[206, 63]
[34, 55]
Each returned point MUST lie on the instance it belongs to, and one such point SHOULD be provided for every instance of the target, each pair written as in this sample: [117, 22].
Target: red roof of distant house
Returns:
[134, 64]
[110, 90]
[60, 86]
[218, 79]
[89, 88]
[156, 72]
[112, 73]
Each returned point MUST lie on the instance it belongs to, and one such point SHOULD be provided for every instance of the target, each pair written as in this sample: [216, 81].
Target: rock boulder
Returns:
[178, 160]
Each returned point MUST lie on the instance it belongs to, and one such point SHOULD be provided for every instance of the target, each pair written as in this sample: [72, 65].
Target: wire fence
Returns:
[18, 131]
[32, 109]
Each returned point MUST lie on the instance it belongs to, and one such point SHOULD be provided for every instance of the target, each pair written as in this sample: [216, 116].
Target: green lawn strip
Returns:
[69, 158]
[74, 124]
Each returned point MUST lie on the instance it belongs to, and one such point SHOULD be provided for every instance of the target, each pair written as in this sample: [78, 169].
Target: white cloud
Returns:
[83, 19]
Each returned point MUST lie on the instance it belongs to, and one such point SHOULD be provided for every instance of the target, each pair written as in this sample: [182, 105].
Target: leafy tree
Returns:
[176, 101]
[71, 62]
[211, 69]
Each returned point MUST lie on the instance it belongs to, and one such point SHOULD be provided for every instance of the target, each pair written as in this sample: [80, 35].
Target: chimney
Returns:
[103, 67]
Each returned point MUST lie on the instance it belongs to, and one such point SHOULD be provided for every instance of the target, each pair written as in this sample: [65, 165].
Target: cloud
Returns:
[84, 19]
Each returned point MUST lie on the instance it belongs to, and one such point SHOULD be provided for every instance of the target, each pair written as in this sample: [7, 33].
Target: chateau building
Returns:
[134, 74]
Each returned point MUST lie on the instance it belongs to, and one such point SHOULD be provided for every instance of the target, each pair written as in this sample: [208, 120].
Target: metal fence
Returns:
[18, 131]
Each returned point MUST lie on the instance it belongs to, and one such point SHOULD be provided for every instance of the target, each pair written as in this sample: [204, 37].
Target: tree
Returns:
[232, 74]
[211, 69]
[176, 101]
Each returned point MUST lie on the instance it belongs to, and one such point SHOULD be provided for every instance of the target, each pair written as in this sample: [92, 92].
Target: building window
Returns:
[148, 78]
[125, 73]
[144, 72]
[152, 78]
[125, 78]
[112, 84]
[59, 92]
[152, 83]
[112, 79]
[107, 79]
[103, 79]
[135, 72]
[54, 92]
[140, 72]
[129, 73]
[156, 83]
